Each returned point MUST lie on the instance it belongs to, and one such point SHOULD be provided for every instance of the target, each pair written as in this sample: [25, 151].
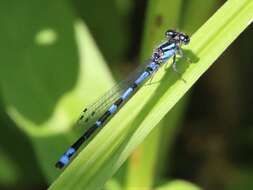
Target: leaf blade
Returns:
[106, 153]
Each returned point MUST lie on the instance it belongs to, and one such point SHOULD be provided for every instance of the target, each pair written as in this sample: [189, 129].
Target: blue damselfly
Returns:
[100, 112]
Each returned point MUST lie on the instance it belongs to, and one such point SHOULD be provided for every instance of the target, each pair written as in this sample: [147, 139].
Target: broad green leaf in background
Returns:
[56, 70]
[14, 165]
[8, 172]
[115, 39]
[106, 153]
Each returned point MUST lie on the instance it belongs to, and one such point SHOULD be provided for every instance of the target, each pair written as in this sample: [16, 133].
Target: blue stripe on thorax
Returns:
[168, 54]
[167, 46]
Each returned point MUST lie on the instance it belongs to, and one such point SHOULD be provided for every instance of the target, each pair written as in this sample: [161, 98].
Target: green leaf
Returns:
[9, 173]
[115, 39]
[106, 153]
[56, 70]
[14, 165]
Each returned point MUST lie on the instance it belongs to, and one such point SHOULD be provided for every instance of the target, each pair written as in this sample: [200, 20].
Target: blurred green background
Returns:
[58, 56]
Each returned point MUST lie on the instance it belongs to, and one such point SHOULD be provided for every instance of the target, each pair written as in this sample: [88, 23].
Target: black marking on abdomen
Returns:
[149, 70]
[164, 45]
[104, 116]
[118, 102]
[84, 137]
[134, 86]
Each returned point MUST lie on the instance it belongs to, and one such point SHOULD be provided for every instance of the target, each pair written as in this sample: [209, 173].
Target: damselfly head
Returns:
[177, 36]
[184, 38]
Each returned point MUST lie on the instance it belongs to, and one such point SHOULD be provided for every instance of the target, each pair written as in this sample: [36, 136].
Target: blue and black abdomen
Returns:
[159, 57]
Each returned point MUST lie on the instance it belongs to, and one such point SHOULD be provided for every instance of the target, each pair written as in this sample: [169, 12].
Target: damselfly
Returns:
[100, 112]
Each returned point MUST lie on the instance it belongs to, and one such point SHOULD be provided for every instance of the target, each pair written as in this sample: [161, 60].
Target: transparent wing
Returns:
[95, 110]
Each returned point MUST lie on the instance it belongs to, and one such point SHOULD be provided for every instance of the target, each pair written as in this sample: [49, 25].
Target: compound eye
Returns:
[170, 33]
[184, 38]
